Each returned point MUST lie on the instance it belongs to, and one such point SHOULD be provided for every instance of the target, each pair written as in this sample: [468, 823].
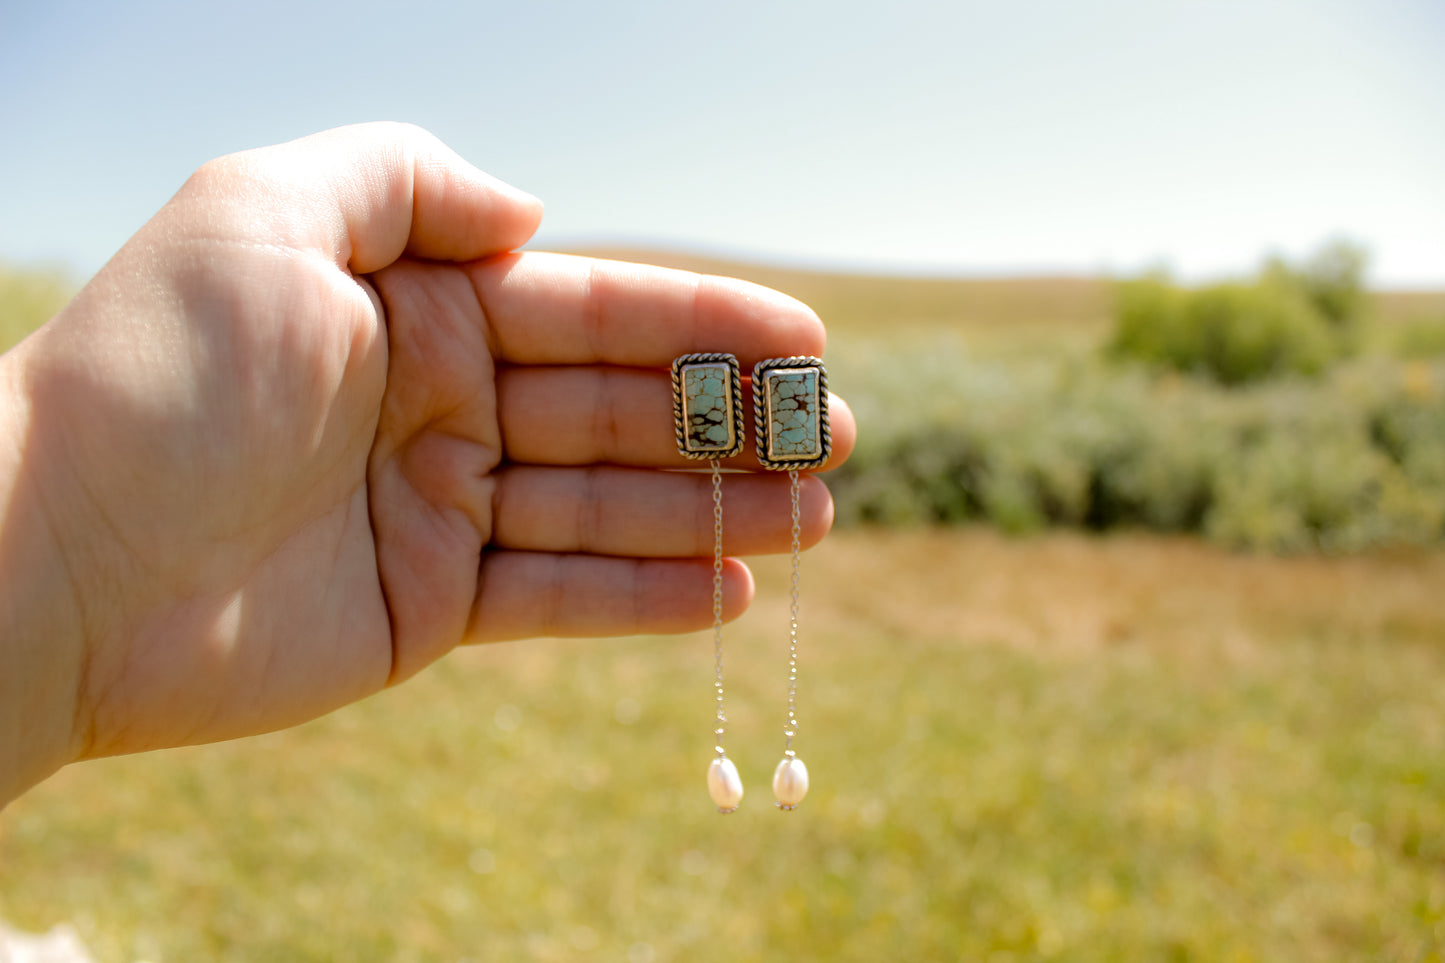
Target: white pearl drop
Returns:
[724, 784]
[790, 782]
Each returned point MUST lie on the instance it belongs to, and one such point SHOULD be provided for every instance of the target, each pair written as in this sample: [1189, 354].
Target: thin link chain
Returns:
[792, 727]
[720, 724]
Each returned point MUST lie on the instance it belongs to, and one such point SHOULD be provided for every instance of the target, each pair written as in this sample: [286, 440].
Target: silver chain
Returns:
[720, 724]
[792, 727]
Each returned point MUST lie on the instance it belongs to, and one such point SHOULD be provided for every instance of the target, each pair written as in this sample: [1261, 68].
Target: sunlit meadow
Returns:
[1060, 746]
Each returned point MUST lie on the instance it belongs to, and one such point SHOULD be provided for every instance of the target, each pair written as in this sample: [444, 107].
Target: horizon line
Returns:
[919, 270]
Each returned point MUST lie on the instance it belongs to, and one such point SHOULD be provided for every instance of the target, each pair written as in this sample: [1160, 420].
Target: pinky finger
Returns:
[523, 595]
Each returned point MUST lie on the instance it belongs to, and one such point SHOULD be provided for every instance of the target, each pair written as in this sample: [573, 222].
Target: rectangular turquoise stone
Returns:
[707, 407]
[793, 414]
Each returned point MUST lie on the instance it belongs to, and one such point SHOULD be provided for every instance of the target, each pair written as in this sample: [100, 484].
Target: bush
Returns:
[1347, 462]
[1333, 278]
[1284, 322]
[1335, 468]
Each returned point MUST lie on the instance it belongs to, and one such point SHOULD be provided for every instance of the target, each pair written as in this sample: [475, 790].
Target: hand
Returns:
[314, 426]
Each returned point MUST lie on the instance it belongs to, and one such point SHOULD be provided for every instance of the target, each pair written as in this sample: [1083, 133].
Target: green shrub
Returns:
[1333, 278]
[1349, 461]
[1234, 333]
[1286, 321]
[1325, 469]
[1149, 324]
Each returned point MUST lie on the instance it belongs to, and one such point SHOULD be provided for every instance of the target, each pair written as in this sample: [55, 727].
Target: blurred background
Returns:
[1130, 640]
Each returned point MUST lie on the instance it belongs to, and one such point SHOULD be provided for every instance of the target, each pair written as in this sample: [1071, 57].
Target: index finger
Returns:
[555, 309]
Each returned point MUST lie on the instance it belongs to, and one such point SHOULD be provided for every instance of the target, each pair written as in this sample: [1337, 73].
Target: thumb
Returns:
[376, 191]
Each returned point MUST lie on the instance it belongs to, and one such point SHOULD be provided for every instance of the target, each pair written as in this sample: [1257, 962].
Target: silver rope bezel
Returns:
[762, 422]
[679, 405]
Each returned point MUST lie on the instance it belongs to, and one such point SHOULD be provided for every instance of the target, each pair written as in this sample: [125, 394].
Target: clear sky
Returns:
[954, 137]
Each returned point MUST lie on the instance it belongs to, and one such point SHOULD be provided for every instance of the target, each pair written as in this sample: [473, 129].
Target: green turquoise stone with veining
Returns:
[707, 407]
[792, 413]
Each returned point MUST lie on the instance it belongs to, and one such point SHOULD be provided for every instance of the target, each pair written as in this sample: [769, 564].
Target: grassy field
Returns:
[1055, 748]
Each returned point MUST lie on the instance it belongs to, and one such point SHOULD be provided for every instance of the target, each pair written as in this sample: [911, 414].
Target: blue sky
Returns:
[952, 137]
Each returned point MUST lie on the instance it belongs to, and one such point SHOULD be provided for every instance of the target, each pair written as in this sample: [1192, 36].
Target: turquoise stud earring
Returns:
[790, 404]
[707, 411]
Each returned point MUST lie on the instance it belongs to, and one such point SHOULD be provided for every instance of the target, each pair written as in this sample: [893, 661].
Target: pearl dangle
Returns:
[708, 419]
[790, 403]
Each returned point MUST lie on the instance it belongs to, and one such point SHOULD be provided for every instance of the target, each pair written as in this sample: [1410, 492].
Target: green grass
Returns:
[1020, 750]
[29, 297]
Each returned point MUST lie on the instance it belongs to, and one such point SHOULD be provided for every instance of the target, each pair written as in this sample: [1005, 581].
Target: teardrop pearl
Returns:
[724, 784]
[790, 782]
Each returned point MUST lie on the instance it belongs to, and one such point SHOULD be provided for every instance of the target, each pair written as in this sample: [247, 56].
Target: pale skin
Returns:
[315, 425]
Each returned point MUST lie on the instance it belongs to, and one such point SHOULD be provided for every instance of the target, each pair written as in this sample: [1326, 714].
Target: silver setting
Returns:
[690, 440]
[769, 377]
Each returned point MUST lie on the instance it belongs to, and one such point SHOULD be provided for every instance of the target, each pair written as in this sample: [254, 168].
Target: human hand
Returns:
[313, 426]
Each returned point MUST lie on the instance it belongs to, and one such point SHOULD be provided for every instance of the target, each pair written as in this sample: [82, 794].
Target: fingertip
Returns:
[461, 213]
[739, 588]
[816, 512]
[758, 322]
[822, 514]
[520, 197]
[808, 333]
[843, 430]
[517, 212]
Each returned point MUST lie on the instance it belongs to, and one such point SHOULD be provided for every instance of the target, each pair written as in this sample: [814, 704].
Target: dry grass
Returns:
[1403, 307]
[1068, 592]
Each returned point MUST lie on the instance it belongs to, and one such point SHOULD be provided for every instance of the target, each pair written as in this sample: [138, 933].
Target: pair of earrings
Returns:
[790, 405]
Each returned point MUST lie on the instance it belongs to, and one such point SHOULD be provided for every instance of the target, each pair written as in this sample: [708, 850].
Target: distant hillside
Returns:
[849, 301]
[853, 302]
